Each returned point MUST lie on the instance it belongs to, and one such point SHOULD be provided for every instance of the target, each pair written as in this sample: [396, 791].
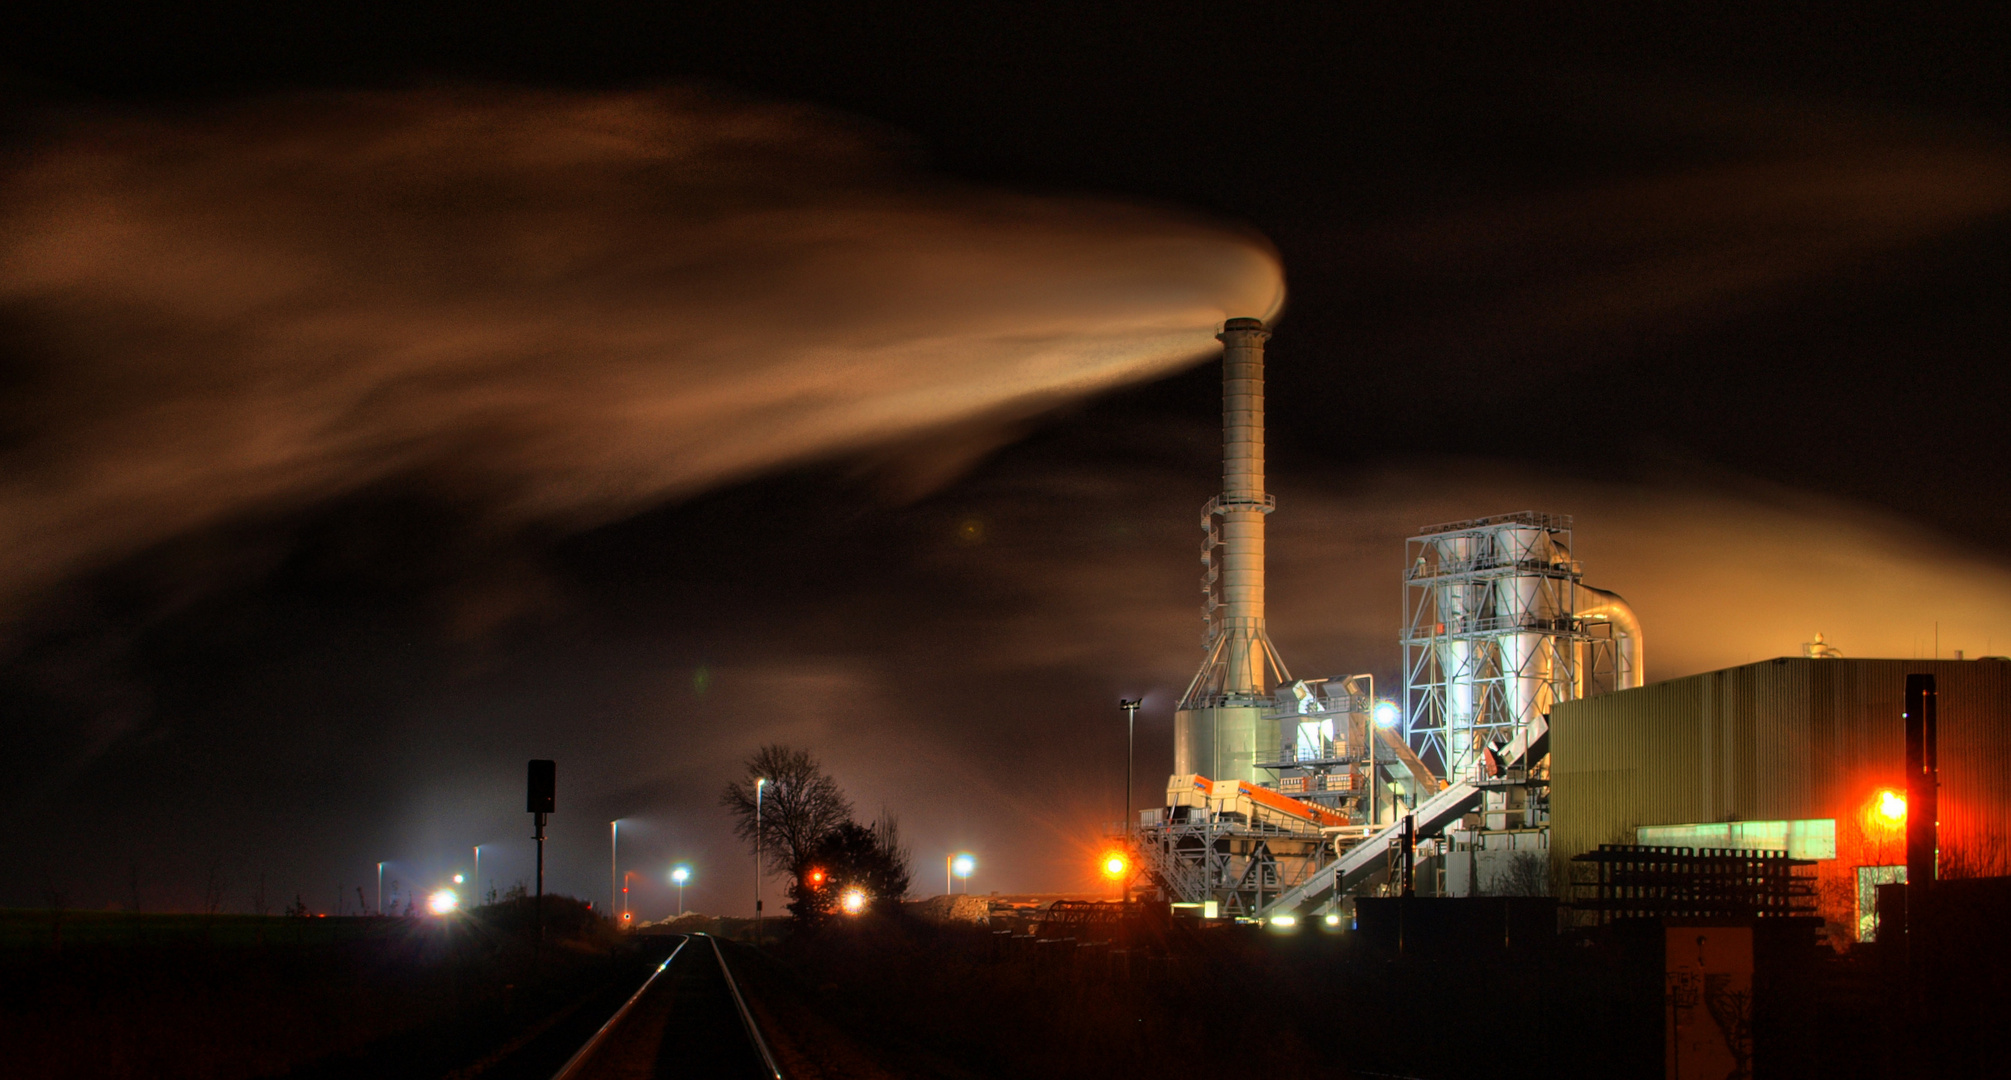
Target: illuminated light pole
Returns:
[478, 875]
[1384, 715]
[680, 876]
[380, 888]
[759, 785]
[1130, 707]
[613, 876]
[963, 863]
[624, 896]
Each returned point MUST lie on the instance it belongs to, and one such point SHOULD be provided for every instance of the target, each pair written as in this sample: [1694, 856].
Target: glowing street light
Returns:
[854, 901]
[442, 902]
[961, 864]
[679, 876]
[1891, 808]
[1115, 865]
[458, 879]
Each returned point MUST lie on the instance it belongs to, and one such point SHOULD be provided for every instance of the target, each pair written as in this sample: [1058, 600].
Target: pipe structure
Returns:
[1598, 605]
[1218, 730]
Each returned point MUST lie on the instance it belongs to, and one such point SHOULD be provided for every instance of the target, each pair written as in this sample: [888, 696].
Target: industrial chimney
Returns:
[1219, 730]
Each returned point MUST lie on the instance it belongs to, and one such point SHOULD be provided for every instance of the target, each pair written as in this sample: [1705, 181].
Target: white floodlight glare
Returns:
[442, 902]
[1284, 922]
[680, 875]
[1333, 919]
[457, 879]
[1387, 714]
[854, 901]
[963, 865]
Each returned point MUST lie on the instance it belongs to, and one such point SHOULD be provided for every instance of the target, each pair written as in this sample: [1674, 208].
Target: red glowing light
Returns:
[1891, 809]
[1115, 865]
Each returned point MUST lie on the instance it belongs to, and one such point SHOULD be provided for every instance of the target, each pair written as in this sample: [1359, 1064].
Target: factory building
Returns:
[1804, 754]
[1290, 794]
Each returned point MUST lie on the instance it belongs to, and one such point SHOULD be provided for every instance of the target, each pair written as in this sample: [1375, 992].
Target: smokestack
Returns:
[1242, 506]
[1217, 730]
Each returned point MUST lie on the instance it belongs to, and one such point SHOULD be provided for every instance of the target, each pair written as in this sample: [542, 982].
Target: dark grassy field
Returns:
[475, 994]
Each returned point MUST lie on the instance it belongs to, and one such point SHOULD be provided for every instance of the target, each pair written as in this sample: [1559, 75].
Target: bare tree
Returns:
[212, 894]
[799, 805]
[887, 835]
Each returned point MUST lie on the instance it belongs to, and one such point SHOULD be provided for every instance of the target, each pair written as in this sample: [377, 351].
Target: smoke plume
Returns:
[567, 306]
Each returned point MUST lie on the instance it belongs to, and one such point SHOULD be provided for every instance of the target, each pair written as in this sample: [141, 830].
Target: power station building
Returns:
[1523, 736]
[1803, 754]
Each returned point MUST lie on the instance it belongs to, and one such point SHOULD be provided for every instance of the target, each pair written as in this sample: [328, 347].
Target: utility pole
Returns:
[759, 785]
[1130, 707]
[613, 858]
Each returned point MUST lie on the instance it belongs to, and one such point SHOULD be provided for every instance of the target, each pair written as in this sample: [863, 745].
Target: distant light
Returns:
[1115, 865]
[457, 879]
[442, 902]
[680, 875]
[1284, 920]
[1891, 807]
[815, 877]
[1387, 714]
[1333, 920]
[853, 902]
[963, 865]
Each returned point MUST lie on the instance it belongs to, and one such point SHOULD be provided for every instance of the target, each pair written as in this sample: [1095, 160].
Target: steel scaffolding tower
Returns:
[1492, 637]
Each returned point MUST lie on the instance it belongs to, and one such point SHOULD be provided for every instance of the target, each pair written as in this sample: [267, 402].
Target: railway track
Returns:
[688, 1019]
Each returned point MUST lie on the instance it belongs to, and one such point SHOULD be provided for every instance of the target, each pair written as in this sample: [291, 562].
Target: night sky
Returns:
[396, 394]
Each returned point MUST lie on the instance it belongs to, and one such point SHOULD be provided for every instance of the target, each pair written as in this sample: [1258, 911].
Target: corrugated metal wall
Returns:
[1785, 739]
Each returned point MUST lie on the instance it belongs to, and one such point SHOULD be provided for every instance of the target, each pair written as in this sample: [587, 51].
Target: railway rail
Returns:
[688, 1019]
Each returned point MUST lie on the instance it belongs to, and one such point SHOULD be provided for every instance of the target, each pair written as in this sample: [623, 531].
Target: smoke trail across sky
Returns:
[561, 307]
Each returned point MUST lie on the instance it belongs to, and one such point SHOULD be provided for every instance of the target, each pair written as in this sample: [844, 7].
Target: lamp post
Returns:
[613, 877]
[680, 876]
[380, 888]
[962, 863]
[478, 875]
[759, 784]
[1384, 714]
[1130, 707]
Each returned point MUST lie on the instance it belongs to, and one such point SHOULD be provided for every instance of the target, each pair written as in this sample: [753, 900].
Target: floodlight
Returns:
[1387, 714]
[442, 902]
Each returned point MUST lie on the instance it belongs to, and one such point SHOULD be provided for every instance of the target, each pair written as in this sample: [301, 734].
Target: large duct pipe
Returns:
[1598, 605]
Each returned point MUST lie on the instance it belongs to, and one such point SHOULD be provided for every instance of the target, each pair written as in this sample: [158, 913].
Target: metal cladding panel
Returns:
[1790, 738]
